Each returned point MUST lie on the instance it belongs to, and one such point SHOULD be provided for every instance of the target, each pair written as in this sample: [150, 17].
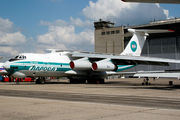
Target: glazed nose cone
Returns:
[6, 65]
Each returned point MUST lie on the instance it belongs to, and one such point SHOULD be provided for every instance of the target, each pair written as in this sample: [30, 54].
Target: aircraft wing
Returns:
[160, 74]
[127, 60]
[154, 1]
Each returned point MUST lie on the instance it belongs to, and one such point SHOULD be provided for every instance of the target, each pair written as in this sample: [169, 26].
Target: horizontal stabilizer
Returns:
[149, 30]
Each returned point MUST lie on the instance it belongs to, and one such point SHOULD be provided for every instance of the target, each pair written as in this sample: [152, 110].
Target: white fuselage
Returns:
[55, 64]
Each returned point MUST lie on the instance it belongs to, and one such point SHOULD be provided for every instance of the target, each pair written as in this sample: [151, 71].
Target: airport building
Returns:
[110, 39]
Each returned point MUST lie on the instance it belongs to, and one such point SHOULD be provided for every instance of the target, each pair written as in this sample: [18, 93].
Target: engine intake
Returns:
[81, 64]
[104, 65]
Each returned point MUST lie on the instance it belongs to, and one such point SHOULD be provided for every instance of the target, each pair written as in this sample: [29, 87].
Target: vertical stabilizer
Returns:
[135, 45]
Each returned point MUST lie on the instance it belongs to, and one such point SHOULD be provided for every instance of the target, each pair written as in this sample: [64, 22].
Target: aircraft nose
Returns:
[6, 65]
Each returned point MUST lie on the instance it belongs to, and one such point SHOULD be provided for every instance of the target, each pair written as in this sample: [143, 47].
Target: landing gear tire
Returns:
[81, 81]
[101, 81]
[73, 81]
[40, 81]
[96, 81]
[145, 82]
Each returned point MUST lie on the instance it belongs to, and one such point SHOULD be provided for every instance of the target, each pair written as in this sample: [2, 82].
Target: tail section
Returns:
[135, 45]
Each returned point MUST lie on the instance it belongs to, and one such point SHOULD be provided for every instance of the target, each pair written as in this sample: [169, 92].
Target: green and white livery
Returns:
[81, 66]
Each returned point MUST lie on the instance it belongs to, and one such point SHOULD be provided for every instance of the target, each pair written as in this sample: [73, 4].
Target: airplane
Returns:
[154, 1]
[79, 66]
[2, 70]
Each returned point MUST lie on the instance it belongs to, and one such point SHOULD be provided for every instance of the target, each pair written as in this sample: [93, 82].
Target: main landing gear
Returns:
[77, 81]
[145, 81]
[90, 81]
[96, 81]
[40, 80]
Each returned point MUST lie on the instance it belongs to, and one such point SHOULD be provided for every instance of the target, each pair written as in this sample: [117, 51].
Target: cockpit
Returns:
[18, 57]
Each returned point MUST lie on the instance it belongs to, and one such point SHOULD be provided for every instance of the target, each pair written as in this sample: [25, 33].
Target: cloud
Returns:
[76, 22]
[40, 48]
[6, 25]
[7, 51]
[66, 37]
[12, 39]
[123, 13]
[55, 23]
[79, 23]
[11, 42]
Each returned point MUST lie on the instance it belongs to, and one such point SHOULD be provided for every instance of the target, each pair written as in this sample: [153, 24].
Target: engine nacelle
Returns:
[104, 65]
[81, 64]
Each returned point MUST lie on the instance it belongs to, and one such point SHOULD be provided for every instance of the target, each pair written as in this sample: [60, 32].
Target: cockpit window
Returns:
[20, 57]
[16, 56]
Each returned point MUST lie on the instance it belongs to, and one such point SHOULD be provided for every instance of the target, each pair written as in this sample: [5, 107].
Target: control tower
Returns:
[108, 39]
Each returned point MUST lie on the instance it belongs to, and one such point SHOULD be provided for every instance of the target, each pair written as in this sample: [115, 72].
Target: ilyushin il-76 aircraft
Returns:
[81, 66]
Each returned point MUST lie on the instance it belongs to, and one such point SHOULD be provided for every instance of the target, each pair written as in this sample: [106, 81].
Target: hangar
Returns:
[111, 39]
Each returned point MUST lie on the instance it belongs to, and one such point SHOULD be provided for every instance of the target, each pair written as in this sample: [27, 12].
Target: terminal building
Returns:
[110, 39]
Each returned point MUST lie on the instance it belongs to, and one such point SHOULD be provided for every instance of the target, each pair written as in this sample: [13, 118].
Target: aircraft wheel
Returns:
[81, 81]
[91, 81]
[72, 81]
[38, 81]
[42, 81]
[101, 81]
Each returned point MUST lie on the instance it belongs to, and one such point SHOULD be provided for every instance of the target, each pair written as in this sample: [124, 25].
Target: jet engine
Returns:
[104, 65]
[81, 64]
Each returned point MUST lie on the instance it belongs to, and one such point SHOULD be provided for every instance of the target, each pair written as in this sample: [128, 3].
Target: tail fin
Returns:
[135, 45]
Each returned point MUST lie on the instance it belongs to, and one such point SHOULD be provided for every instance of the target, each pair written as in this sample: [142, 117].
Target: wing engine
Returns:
[81, 64]
[104, 65]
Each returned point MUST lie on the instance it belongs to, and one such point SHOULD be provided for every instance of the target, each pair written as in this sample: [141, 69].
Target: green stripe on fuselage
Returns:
[38, 66]
[124, 67]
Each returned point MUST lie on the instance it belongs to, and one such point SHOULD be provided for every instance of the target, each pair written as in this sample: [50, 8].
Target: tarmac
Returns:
[20, 108]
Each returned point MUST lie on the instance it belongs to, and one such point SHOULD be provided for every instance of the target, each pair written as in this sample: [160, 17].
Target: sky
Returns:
[37, 25]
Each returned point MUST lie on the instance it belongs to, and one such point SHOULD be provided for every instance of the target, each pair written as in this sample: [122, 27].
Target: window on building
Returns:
[107, 32]
[117, 31]
[103, 33]
[112, 32]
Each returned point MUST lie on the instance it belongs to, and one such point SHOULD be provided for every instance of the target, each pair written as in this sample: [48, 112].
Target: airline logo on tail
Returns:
[133, 46]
